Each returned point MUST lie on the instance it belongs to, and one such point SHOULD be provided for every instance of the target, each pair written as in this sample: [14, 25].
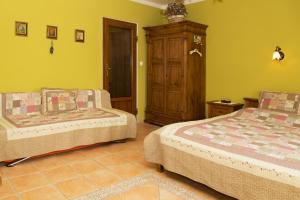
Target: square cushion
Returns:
[58, 100]
[21, 104]
[280, 101]
[85, 100]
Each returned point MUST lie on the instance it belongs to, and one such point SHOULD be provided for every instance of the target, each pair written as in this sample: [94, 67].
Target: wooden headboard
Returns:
[250, 102]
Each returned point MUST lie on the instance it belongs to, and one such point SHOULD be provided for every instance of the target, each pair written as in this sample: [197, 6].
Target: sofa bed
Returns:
[39, 123]
[251, 154]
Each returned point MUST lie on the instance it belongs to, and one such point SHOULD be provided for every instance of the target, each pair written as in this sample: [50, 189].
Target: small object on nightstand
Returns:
[225, 101]
[217, 108]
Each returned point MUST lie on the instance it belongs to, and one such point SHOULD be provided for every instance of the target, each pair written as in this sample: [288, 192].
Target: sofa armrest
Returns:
[103, 99]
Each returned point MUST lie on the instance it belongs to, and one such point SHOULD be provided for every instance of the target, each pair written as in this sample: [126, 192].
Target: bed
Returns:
[251, 154]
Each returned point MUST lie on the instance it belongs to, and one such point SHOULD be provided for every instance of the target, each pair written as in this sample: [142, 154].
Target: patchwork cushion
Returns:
[21, 104]
[85, 100]
[58, 100]
[280, 101]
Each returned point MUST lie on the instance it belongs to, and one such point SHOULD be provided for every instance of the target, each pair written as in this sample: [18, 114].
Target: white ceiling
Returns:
[162, 4]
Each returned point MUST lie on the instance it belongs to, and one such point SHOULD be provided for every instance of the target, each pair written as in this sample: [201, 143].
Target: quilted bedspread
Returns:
[30, 126]
[39, 119]
[253, 140]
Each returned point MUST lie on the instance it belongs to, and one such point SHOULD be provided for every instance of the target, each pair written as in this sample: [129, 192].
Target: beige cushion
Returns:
[21, 104]
[85, 100]
[58, 100]
[280, 101]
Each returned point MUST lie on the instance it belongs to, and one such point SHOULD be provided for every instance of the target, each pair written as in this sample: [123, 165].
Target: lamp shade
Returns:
[278, 54]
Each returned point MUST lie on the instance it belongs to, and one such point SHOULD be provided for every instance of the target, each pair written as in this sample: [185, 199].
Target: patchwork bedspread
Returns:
[26, 126]
[21, 121]
[261, 142]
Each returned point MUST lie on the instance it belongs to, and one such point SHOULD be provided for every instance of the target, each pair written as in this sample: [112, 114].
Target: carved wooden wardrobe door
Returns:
[175, 76]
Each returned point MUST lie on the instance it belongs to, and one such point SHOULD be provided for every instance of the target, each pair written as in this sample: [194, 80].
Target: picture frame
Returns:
[21, 28]
[79, 35]
[52, 32]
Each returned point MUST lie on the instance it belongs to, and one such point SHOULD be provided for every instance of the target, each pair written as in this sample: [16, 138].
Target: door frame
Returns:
[128, 25]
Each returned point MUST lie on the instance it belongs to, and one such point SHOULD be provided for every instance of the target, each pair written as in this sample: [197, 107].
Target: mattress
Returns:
[250, 154]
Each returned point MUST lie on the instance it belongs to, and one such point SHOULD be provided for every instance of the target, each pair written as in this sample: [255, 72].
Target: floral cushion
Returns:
[280, 101]
[58, 100]
[85, 100]
[21, 104]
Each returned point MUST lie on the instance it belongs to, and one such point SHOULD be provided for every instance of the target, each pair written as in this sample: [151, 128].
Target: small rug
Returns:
[144, 187]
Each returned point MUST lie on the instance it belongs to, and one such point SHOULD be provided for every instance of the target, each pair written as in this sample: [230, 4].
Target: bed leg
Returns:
[120, 141]
[14, 163]
[160, 168]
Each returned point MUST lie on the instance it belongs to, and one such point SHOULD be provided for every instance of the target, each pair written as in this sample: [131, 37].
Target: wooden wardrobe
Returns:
[175, 72]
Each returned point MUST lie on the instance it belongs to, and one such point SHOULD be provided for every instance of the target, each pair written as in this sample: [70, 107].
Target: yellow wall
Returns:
[26, 64]
[241, 38]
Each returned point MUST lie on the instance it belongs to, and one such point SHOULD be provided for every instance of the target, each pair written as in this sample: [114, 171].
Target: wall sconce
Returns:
[278, 54]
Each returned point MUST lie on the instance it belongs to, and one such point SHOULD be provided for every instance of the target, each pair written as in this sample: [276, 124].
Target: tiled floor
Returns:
[67, 175]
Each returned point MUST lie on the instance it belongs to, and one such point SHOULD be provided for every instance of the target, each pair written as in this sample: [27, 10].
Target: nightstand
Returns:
[216, 108]
[251, 102]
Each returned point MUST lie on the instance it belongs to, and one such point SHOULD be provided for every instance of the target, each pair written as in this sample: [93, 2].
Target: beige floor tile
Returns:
[103, 178]
[60, 173]
[47, 162]
[111, 160]
[114, 197]
[75, 187]
[147, 192]
[93, 152]
[20, 169]
[132, 155]
[5, 189]
[86, 167]
[28, 182]
[72, 156]
[127, 170]
[11, 198]
[166, 195]
[117, 147]
[44, 193]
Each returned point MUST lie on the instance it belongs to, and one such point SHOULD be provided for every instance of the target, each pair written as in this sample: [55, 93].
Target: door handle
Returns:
[107, 70]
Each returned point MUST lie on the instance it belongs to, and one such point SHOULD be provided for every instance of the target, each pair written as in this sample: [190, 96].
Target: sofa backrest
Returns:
[21, 103]
[31, 103]
[102, 99]
[86, 99]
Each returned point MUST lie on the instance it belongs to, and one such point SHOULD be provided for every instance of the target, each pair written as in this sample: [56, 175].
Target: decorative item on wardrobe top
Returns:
[175, 11]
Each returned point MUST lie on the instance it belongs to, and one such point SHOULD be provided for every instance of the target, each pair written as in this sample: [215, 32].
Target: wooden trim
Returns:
[251, 102]
[122, 99]
[133, 27]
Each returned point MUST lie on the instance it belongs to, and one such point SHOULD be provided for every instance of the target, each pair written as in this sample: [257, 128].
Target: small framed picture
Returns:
[52, 32]
[21, 28]
[79, 35]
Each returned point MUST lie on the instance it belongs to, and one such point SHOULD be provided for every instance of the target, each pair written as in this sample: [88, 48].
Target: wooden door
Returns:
[119, 63]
